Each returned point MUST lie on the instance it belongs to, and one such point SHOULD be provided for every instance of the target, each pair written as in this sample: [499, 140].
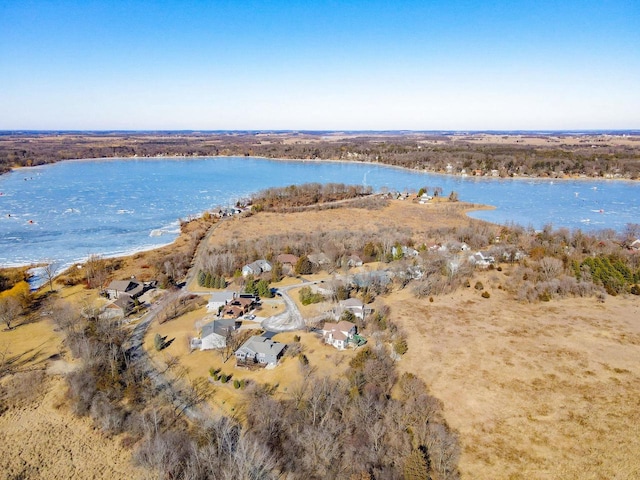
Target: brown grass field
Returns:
[40, 437]
[548, 390]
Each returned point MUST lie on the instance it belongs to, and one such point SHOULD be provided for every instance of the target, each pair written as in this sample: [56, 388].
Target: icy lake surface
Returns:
[69, 210]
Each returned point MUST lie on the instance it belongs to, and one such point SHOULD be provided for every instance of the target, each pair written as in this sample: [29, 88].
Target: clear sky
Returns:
[356, 65]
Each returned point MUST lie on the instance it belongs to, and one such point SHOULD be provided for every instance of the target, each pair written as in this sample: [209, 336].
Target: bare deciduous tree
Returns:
[10, 308]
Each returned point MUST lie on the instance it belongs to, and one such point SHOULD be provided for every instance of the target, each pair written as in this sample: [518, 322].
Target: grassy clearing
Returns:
[537, 391]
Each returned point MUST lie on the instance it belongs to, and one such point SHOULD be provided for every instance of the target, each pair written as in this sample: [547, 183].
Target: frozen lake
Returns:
[69, 210]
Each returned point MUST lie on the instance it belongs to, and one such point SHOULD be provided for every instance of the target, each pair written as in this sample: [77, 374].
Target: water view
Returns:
[69, 210]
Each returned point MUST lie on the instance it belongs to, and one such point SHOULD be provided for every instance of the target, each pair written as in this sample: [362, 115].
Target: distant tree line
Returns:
[434, 153]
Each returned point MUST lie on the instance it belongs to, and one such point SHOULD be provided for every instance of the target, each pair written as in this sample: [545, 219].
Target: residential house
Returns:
[220, 299]
[352, 305]
[354, 261]
[404, 251]
[131, 288]
[338, 334]
[256, 268]
[481, 259]
[121, 307]
[424, 198]
[214, 334]
[288, 262]
[238, 306]
[260, 350]
[319, 259]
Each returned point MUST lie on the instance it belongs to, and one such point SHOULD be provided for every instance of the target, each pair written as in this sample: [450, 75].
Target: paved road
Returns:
[291, 319]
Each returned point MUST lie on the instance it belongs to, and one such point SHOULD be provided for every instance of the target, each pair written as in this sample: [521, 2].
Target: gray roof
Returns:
[223, 296]
[220, 327]
[262, 345]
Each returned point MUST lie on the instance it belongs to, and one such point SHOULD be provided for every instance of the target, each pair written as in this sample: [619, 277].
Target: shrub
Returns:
[303, 359]
[224, 378]
[307, 297]
[400, 346]
[485, 294]
[431, 299]
[236, 384]
[158, 342]
[478, 286]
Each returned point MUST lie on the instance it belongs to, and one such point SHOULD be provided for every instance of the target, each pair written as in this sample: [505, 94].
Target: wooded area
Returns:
[532, 155]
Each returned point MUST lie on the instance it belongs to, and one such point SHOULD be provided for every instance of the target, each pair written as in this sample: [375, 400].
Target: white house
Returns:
[256, 268]
[407, 252]
[352, 305]
[481, 259]
[214, 334]
[220, 299]
[354, 261]
[338, 334]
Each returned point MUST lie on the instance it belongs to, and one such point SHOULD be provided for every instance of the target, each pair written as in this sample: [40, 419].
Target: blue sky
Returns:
[419, 65]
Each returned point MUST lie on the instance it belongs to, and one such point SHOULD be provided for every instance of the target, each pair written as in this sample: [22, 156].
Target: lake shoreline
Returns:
[341, 161]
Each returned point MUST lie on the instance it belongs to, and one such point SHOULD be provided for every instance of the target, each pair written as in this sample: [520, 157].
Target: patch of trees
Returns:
[260, 287]
[337, 245]
[211, 281]
[107, 386]
[353, 427]
[561, 263]
[305, 195]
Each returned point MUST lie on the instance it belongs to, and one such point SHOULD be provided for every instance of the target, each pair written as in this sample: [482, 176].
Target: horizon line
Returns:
[633, 131]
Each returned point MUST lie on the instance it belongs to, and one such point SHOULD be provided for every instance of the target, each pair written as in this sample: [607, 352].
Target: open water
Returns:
[66, 211]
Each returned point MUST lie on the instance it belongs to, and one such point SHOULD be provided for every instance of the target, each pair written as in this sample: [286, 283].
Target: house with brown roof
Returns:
[338, 334]
[238, 307]
[132, 288]
[287, 259]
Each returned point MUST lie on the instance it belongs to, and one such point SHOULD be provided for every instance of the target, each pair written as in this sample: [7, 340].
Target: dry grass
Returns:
[539, 391]
[398, 214]
[286, 376]
[44, 440]
[39, 437]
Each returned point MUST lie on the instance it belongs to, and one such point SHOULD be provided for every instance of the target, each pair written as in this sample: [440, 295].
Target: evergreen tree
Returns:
[262, 287]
